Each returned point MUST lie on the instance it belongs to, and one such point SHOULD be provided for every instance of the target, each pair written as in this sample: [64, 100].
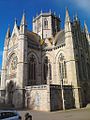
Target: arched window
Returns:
[32, 70]
[45, 23]
[62, 67]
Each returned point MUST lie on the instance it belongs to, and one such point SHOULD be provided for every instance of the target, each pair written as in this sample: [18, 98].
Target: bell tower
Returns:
[46, 24]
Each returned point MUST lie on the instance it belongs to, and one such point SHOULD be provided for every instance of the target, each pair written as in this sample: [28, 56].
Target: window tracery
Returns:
[32, 70]
[62, 66]
[12, 66]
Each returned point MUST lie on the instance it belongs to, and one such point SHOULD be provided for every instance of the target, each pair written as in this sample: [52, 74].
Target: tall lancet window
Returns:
[62, 67]
[45, 69]
[45, 23]
[32, 70]
[50, 71]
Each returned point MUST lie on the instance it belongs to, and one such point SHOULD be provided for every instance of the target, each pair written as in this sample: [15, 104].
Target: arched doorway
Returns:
[10, 92]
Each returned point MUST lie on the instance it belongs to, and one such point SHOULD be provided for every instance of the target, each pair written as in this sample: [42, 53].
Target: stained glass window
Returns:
[32, 70]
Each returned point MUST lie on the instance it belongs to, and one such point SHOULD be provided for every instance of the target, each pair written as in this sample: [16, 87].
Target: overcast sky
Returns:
[11, 9]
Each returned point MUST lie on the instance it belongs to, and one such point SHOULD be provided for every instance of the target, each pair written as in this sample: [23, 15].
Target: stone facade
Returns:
[47, 69]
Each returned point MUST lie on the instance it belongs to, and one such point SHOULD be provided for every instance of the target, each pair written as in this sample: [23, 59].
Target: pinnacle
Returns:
[67, 19]
[23, 21]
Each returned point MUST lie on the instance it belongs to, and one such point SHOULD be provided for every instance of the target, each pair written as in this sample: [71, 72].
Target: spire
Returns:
[8, 32]
[23, 21]
[67, 22]
[67, 19]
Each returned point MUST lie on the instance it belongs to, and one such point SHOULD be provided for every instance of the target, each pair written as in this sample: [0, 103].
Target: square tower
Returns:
[46, 25]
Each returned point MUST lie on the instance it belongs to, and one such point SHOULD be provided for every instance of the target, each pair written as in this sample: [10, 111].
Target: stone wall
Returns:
[37, 98]
[56, 97]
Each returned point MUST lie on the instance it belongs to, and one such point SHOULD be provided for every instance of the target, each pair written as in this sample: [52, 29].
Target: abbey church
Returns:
[47, 69]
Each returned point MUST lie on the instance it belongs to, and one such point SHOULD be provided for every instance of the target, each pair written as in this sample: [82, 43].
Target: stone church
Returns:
[47, 69]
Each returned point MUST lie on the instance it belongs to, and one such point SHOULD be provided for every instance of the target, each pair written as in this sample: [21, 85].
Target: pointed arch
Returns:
[47, 68]
[58, 54]
[36, 56]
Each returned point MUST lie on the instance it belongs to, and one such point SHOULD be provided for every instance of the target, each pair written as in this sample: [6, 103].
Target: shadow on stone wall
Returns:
[69, 97]
[56, 98]
[29, 102]
[12, 97]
